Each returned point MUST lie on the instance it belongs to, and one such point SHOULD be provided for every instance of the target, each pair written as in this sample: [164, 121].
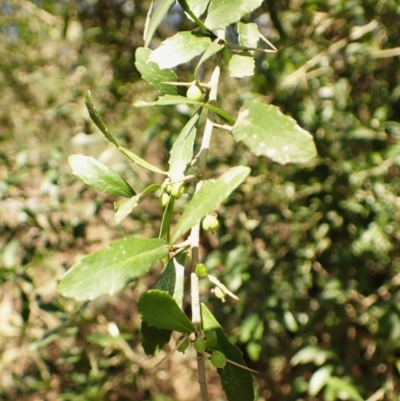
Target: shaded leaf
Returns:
[268, 132]
[99, 176]
[158, 308]
[222, 13]
[179, 49]
[152, 73]
[169, 100]
[237, 383]
[211, 50]
[212, 194]
[154, 339]
[95, 116]
[109, 270]
[182, 150]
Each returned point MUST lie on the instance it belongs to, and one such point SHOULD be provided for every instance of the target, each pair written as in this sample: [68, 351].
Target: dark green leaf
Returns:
[95, 116]
[154, 339]
[237, 383]
[209, 197]
[179, 49]
[109, 270]
[169, 100]
[222, 13]
[268, 132]
[99, 176]
[158, 308]
[152, 73]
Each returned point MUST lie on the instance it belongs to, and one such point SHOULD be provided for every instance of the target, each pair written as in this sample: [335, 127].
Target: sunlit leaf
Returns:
[319, 379]
[99, 176]
[158, 308]
[241, 66]
[141, 162]
[268, 132]
[222, 13]
[179, 49]
[152, 73]
[345, 388]
[249, 35]
[109, 270]
[182, 150]
[212, 194]
[197, 6]
[169, 100]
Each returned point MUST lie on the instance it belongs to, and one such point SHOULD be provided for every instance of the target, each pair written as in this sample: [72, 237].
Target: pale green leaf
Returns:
[179, 49]
[197, 6]
[249, 35]
[182, 150]
[141, 162]
[311, 354]
[268, 132]
[212, 194]
[241, 66]
[319, 379]
[341, 386]
[95, 116]
[237, 383]
[169, 100]
[154, 18]
[152, 73]
[109, 270]
[158, 308]
[211, 50]
[222, 12]
[99, 176]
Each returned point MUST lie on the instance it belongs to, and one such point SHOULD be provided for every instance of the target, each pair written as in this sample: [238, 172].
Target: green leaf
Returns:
[169, 100]
[313, 354]
[95, 116]
[340, 386]
[241, 66]
[157, 308]
[172, 278]
[125, 208]
[152, 74]
[99, 176]
[109, 270]
[209, 197]
[319, 379]
[179, 49]
[182, 150]
[222, 13]
[154, 19]
[154, 339]
[166, 219]
[268, 132]
[249, 35]
[141, 162]
[237, 383]
[197, 6]
[211, 50]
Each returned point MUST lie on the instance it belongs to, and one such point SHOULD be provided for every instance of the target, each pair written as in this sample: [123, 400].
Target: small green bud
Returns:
[184, 345]
[163, 199]
[219, 293]
[194, 92]
[210, 222]
[177, 190]
[218, 359]
[200, 345]
[201, 270]
[211, 339]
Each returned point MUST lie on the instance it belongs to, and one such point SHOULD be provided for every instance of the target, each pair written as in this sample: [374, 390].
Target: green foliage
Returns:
[311, 251]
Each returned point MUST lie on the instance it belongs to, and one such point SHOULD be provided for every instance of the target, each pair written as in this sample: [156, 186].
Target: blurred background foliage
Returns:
[312, 251]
